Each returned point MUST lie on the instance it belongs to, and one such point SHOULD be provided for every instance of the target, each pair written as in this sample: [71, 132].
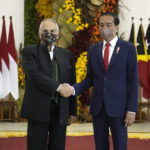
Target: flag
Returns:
[148, 45]
[142, 61]
[5, 61]
[13, 67]
[148, 51]
[1, 74]
[132, 37]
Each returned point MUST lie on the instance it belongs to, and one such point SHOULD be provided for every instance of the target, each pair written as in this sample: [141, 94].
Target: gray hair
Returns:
[48, 20]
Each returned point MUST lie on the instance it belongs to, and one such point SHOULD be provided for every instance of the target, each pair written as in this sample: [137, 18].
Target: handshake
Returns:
[66, 90]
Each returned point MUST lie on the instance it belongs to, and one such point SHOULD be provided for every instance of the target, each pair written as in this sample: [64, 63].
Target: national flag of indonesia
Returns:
[1, 74]
[5, 61]
[13, 67]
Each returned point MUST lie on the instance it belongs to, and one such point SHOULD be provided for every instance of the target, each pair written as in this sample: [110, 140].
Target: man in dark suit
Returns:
[46, 66]
[112, 71]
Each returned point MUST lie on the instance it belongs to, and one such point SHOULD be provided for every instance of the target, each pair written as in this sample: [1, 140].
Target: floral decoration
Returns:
[44, 8]
[81, 41]
[81, 70]
[76, 17]
[21, 77]
[109, 6]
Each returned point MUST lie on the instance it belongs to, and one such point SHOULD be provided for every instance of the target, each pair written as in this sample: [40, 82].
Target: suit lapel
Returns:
[100, 57]
[115, 54]
[45, 58]
[59, 58]
[46, 54]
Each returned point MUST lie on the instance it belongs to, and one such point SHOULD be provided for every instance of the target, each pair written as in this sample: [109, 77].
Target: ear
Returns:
[58, 36]
[117, 28]
[39, 35]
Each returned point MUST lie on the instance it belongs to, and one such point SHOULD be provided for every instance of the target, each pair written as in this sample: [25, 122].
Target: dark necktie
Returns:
[106, 56]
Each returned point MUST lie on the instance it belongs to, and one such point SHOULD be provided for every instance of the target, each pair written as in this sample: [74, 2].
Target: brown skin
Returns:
[130, 119]
[108, 23]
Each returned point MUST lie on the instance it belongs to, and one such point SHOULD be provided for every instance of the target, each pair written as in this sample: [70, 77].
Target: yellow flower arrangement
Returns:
[21, 77]
[44, 8]
[76, 17]
[81, 71]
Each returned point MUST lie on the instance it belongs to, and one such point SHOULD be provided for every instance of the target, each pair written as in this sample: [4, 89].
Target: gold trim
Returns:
[143, 58]
[6, 134]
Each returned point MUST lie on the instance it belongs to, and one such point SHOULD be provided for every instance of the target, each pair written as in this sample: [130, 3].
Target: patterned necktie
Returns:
[106, 56]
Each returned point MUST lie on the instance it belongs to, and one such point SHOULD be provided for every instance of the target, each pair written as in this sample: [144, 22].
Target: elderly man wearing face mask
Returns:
[46, 66]
[112, 71]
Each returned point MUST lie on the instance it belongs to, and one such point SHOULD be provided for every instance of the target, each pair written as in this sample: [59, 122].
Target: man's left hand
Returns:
[130, 118]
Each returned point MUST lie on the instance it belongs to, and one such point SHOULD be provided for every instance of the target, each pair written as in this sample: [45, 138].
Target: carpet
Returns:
[72, 143]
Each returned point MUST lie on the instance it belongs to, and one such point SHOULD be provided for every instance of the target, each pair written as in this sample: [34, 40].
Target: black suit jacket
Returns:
[40, 86]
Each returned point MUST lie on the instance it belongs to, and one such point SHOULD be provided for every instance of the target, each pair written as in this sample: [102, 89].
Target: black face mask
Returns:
[48, 39]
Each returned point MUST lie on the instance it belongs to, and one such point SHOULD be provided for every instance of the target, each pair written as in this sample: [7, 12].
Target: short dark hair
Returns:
[116, 19]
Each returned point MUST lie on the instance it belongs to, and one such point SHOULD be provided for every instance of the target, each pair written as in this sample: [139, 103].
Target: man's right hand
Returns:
[66, 90]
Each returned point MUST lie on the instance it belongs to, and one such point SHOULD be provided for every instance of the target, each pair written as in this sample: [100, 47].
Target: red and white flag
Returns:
[13, 67]
[1, 83]
[5, 61]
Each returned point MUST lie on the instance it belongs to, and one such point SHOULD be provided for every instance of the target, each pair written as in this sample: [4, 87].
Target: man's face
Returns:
[107, 28]
[50, 27]
[49, 33]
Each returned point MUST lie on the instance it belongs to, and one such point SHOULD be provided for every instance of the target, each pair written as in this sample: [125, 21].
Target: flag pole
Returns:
[10, 96]
[141, 20]
[140, 102]
[132, 19]
[149, 98]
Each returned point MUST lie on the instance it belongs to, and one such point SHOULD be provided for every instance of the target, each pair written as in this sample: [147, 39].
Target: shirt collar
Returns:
[113, 41]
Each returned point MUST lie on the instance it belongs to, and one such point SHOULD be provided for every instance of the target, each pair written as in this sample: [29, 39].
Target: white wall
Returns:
[14, 8]
[137, 9]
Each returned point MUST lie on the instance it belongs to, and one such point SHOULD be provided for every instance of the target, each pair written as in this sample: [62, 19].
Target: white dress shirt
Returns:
[51, 52]
[111, 47]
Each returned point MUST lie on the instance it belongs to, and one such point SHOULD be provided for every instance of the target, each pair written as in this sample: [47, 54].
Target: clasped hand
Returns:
[66, 90]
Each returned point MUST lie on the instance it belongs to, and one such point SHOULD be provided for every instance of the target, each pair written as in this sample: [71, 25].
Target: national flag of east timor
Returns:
[148, 51]
[148, 41]
[132, 37]
[142, 61]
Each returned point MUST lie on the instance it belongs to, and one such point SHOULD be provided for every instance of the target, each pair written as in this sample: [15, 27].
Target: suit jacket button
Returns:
[105, 78]
[104, 89]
